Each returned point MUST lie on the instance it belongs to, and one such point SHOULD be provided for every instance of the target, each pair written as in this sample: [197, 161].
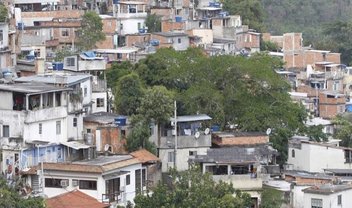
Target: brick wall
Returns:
[165, 13]
[330, 106]
[138, 38]
[54, 14]
[167, 26]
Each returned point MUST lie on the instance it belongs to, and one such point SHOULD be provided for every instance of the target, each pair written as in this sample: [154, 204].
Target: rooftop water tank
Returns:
[178, 19]
[58, 66]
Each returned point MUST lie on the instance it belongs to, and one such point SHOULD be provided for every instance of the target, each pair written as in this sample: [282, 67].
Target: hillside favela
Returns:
[175, 104]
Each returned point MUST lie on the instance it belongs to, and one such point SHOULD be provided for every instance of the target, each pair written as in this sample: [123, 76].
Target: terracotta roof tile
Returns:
[144, 156]
[74, 199]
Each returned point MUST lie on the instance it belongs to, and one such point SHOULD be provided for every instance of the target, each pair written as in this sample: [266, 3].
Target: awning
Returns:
[75, 145]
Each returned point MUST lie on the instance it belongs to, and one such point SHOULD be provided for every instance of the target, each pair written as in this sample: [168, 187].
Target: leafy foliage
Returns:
[91, 31]
[231, 89]
[128, 94]
[193, 189]
[344, 130]
[3, 13]
[10, 198]
[62, 53]
[157, 104]
[153, 22]
[251, 11]
[271, 198]
[138, 137]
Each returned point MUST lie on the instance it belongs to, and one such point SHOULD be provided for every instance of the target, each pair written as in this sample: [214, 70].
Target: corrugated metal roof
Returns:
[31, 87]
[68, 80]
[188, 118]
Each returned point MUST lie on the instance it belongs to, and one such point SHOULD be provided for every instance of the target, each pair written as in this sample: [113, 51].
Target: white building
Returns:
[130, 16]
[109, 179]
[315, 157]
[35, 114]
[328, 196]
[191, 141]
[80, 83]
[90, 63]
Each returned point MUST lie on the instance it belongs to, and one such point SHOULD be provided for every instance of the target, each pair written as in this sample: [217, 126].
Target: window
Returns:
[179, 40]
[293, 154]
[6, 131]
[90, 185]
[58, 127]
[89, 131]
[53, 182]
[171, 157]
[128, 180]
[139, 25]
[70, 61]
[74, 122]
[316, 203]
[192, 153]
[339, 199]
[65, 32]
[85, 91]
[100, 102]
[40, 128]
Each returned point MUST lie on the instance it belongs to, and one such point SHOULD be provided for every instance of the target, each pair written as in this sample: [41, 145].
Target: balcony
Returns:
[92, 65]
[46, 114]
[242, 182]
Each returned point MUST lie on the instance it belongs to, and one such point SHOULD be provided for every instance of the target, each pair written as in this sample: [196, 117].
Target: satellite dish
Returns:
[197, 135]
[268, 131]
[206, 131]
[106, 147]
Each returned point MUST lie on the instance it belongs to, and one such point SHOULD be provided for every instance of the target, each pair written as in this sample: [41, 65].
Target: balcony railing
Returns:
[111, 197]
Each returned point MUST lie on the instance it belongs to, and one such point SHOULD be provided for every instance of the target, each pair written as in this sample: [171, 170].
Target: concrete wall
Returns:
[14, 119]
[297, 196]
[242, 182]
[205, 34]
[130, 26]
[96, 95]
[5, 31]
[316, 158]
[6, 101]
[330, 201]
[182, 157]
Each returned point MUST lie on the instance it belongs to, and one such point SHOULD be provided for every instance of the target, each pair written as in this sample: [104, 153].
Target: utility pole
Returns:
[175, 124]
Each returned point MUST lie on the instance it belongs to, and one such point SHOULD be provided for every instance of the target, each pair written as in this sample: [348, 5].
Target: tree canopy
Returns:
[252, 12]
[91, 31]
[3, 12]
[10, 198]
[245, 92]
[193, 189]
[153, 22]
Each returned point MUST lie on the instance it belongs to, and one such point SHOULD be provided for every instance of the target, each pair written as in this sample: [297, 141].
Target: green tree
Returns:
[139, 135]
[117, 71]
[91, 31]
[10, 198]
[62, 53]
[153, 22]
[128, 94]
[271, 198]
[251, 11]
[344, 130]
[268, 46]
[193, 189]
[3, 13]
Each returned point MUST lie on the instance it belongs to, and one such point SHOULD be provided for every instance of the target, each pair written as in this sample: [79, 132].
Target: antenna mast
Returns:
[175, 120]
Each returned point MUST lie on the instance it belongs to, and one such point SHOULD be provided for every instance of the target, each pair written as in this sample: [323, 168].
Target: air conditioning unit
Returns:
[74, 183]
[64, 183]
